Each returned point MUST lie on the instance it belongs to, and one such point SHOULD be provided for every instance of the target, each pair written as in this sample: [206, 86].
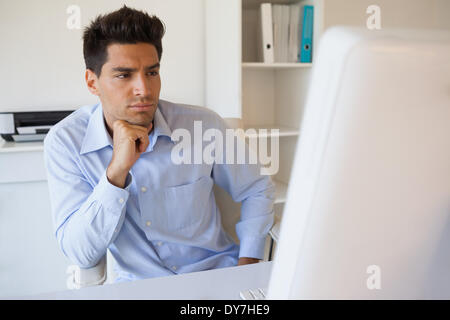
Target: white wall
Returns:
[223, 57]
[42, 67]
[394, 13]
[42, 60]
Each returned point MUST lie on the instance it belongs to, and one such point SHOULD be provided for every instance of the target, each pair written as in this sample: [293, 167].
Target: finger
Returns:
[136, 132]
[139, 128]
[145, 141]
[141, 140]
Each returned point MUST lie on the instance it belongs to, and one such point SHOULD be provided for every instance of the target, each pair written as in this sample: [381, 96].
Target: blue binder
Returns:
[307, 34]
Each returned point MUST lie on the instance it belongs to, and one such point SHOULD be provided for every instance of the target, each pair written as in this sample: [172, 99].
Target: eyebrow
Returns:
[124, 69]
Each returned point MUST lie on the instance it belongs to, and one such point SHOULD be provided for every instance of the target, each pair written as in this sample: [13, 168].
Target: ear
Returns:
[92, 82]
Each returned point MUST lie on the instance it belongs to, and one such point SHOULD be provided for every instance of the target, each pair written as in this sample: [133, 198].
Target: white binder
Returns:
[266, 39]
[280, 18]
[294, 24]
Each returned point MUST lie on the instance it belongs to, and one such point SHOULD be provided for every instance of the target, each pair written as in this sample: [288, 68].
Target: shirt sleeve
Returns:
[86, 218]
[256, 192]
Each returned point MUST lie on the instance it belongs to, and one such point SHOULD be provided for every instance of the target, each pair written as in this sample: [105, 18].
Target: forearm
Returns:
[87, 233]
[257, 216]
[245, 260]
[256, 192]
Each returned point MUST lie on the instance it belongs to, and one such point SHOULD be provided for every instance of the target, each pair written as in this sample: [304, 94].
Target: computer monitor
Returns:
[368, 206]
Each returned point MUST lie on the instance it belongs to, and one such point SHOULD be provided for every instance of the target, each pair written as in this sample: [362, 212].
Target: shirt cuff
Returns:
[252, 247]
[112, 197]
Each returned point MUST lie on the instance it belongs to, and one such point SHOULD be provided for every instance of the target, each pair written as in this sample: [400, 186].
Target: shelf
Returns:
[7, 147]
[280, 191]
[254, 4]
[279, 65]
[284, 131]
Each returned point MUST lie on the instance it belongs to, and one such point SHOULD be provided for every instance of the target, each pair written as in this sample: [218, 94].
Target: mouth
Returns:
[142, 107]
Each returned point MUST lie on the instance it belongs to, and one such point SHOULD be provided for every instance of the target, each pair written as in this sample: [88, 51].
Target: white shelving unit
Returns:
[281, 192]
[270, 96]
[260, 65]
[282, 131]
[273, 97]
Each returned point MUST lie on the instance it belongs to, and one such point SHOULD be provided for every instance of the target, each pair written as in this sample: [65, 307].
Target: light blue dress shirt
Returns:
[165, 221]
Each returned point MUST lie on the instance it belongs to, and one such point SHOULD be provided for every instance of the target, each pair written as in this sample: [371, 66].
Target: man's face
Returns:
[129, 84]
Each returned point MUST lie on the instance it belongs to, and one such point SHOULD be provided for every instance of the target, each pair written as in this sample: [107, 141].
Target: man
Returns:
[113, 184]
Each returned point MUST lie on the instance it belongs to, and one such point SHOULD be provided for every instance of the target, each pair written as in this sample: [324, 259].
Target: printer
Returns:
[25, 126]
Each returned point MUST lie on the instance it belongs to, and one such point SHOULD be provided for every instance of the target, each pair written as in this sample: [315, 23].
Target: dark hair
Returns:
[124, 26]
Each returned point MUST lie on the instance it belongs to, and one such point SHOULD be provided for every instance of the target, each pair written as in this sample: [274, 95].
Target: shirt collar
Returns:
[160, 128]
[97, 136]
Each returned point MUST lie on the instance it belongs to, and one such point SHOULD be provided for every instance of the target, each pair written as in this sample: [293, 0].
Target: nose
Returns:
[141, 86]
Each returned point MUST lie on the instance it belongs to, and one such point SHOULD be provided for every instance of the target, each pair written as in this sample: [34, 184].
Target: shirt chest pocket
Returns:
[188, 204]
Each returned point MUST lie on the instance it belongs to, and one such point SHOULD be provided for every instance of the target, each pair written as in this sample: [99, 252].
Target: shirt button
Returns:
[159, 244]
[121, 200]
[143, 189]
[174, 268]
[148, 223]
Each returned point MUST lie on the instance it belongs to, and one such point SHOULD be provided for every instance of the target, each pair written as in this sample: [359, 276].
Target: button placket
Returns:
[139, 194]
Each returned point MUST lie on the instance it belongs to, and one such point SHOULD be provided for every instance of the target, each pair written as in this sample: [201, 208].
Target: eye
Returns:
[123, 76]
[154, 73]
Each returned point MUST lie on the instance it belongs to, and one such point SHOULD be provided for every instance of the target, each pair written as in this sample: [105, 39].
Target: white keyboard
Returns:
[254, 294]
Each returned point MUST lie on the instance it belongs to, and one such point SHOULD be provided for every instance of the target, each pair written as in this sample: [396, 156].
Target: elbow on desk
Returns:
[84, 256]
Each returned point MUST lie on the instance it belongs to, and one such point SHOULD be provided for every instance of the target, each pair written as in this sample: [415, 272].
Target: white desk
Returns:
[30, 260]
[218, 284]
